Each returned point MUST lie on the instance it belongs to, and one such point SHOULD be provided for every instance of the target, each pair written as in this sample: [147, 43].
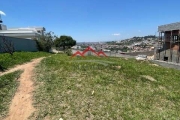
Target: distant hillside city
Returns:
[135, 44]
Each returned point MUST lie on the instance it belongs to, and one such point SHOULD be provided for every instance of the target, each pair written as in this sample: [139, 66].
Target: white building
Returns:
[22, 38]
[26, 33]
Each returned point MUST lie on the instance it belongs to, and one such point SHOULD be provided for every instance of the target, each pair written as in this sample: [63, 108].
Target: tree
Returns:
[65, 42]
[45, 42]
[7, 46]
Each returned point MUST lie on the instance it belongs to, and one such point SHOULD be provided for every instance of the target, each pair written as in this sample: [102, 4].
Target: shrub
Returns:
[68, 52]
[43, 45]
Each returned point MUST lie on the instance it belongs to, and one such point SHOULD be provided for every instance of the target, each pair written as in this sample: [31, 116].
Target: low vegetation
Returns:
[8, 86]
[45, 42]
[7, 60]
[105, 88]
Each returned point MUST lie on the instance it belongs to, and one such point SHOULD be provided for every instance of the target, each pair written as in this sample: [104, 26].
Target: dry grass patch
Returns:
[148, 77]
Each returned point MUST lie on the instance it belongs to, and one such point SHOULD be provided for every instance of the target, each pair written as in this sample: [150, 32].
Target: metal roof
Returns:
[169, 27]
[28, 28]
[16, 31]
[19, 33]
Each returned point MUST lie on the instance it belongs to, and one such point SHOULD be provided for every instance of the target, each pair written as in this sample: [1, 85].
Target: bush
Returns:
[68, 52]
[43, 45]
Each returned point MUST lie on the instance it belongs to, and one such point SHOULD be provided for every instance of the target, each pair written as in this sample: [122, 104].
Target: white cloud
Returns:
[2, 13]
[116, 34]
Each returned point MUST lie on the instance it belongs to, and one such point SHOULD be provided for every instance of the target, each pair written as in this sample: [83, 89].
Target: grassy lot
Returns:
[8, 86]
[105, 88]
[7, 61]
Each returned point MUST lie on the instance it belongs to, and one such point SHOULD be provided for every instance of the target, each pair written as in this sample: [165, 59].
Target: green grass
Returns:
[80, 90]
[8, 86]
[7, 61]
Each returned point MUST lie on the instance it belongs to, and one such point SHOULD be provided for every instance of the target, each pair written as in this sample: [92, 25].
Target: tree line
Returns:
[49, 40]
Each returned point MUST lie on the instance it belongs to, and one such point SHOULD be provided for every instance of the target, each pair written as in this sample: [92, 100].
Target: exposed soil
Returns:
[21, 106]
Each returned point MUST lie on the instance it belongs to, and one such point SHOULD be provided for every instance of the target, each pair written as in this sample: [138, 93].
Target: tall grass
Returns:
[7, 61]
[8, 86]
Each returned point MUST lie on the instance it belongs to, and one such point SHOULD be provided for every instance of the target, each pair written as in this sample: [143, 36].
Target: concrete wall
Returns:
[172, 55]
[20, 44]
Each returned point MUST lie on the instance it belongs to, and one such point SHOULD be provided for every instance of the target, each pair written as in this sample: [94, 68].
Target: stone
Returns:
[148, 77]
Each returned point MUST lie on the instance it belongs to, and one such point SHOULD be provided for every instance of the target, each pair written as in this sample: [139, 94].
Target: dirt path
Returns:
[21, 106]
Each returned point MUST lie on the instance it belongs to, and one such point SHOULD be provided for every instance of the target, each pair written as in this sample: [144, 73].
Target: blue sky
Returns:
[92, 20]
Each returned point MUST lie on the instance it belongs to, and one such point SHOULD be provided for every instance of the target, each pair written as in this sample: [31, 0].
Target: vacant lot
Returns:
[9, 82]
[8, 86]
[105, 88]
[7, 61]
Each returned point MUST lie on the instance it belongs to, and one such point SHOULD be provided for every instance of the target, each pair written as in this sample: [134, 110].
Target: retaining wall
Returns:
[20, 44]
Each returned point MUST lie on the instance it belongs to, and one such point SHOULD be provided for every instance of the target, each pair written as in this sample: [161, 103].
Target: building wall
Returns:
[167, 34]
[171, 49]
[173, 46]
[20, 44]
[3, 27]
[172, 55]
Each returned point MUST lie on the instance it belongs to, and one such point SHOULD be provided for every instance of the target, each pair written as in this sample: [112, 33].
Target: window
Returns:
[175, 38]
[165, 58]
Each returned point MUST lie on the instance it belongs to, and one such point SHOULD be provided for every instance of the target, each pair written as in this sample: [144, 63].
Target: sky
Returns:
[92, 20]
